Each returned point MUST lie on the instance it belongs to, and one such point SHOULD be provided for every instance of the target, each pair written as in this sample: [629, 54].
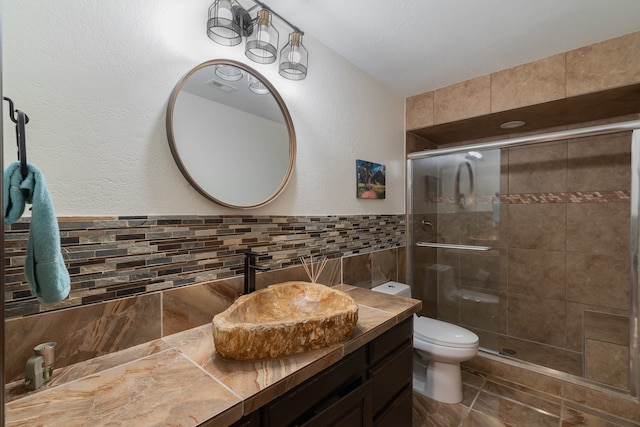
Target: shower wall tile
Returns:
[481, 313]
[532, 83]
[608, 64]
[564, 232]
[419, 110]
[607, 327]
[575, 327]
[598, 280]
[537, 273]
[587, 223]
[444, 283]
[425, 281]
[600, 163]
[462, 100]
[538, 226]
[448, 305]
[537, 353]
[607, 363]
[607, 348]
[451, 227]
[535, 319]
[538, 169]
[482, 269]
[504, 172]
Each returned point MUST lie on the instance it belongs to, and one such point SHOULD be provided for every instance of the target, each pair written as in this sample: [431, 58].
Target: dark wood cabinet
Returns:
[369, 387]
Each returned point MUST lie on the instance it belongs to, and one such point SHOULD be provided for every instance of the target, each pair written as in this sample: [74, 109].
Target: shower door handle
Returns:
[453, 246]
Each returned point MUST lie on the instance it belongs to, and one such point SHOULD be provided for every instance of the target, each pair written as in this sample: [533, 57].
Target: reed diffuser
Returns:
[314, 270]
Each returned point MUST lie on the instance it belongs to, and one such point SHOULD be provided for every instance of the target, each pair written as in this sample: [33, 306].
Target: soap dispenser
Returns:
[39, 368]
[33, 378]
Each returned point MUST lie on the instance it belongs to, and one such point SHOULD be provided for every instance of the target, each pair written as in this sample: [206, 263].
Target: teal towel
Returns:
[44, 268]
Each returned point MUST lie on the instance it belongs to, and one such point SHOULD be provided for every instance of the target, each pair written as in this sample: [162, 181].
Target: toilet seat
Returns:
[442, 333]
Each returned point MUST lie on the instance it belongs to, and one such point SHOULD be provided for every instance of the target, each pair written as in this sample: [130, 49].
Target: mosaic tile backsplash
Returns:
[114, 257]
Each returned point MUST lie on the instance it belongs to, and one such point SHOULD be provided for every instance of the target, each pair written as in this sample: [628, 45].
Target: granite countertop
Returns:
[180, 380]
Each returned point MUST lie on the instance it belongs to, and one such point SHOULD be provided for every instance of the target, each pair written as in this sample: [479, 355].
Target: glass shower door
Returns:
[455, 247]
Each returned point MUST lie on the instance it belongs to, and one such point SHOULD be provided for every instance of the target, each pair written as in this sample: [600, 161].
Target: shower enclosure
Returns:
[532, 244]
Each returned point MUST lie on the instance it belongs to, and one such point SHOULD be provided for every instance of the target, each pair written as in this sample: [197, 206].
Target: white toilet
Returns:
[439, 348]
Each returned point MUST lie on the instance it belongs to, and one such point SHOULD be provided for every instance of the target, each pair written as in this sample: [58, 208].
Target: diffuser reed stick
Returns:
[313, 272]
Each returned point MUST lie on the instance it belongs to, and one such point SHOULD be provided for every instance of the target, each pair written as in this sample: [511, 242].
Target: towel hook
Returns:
[21, 120]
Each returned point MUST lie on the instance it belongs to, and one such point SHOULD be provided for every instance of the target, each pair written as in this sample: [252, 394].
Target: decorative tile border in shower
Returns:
[567, 197]
[114, 257]
[615, 196]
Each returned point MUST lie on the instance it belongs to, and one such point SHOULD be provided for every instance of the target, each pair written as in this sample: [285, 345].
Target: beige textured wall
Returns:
[605, 65]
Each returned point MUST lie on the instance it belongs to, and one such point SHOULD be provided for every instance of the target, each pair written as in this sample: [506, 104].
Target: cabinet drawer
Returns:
[391, 376]
[353, 410]
[298, 403]
[390, 340]
[399, 413]
[251, 420]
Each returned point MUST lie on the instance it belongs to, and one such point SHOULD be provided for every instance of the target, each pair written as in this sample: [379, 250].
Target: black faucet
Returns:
[250, 268]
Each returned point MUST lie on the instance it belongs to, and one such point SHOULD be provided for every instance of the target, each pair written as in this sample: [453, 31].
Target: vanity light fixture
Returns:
[225, 23]
[262, 44]
[229, 22]
[294, 58]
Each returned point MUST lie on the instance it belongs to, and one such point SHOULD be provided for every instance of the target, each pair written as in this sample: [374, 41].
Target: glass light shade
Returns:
[228, 72]
[262, 44]
[294, 58]
[222, 28]
[256, 86]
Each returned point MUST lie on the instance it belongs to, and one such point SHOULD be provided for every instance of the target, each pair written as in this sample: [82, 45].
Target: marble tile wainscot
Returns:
[86, 328]
[157, 374]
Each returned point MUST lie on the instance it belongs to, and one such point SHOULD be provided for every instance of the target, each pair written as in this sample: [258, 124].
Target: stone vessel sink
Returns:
[284, 319]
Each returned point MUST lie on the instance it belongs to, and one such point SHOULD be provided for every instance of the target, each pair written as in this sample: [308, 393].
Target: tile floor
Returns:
[490, 402]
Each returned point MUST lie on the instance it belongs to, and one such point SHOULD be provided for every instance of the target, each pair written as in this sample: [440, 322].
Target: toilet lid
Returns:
[442, 333]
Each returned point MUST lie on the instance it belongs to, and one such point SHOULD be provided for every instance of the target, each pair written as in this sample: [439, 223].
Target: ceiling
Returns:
[414, 46]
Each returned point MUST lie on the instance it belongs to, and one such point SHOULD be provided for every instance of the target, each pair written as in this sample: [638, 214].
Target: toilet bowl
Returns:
[439, 347]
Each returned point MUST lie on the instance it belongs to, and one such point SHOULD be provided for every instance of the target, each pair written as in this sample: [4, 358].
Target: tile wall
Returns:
[138, 279]
[115, 257]
[523, 400]
[558, 270]
[605, 65]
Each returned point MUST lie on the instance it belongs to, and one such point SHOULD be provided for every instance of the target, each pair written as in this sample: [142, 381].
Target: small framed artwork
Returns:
[370, 180]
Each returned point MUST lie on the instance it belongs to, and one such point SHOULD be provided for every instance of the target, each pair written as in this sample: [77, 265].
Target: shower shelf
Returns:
[453, 246]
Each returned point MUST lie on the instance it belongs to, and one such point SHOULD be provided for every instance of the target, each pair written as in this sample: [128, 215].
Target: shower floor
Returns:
[544, 355]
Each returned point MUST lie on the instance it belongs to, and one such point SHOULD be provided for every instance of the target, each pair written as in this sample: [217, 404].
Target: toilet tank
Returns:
[394, 288]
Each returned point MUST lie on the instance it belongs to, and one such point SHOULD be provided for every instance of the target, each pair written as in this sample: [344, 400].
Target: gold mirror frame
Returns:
[173, 143]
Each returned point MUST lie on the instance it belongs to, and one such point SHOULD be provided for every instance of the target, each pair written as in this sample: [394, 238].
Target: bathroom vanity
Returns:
[371, 386]
[181, 380]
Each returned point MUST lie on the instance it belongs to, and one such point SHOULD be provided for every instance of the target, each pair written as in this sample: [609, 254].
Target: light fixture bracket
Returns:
[242, 19]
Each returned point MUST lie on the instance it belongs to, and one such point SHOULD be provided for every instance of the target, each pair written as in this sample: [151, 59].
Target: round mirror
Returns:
[231, 134]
